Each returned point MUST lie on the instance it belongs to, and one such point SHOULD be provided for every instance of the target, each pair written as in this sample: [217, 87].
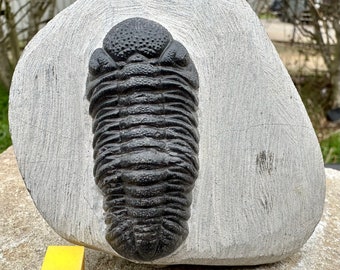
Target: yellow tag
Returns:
[64, 258]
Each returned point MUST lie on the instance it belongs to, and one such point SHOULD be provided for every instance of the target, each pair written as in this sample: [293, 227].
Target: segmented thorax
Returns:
[142, 88]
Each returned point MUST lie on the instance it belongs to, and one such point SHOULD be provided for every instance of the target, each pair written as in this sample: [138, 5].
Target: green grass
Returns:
[330, 148]
[316, 104]
[5, 139]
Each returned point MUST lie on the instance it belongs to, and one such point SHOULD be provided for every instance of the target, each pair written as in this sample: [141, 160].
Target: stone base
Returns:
[25, 236]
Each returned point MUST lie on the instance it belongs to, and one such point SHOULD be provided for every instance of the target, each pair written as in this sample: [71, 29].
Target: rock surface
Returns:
[25, 236]
[260, 189]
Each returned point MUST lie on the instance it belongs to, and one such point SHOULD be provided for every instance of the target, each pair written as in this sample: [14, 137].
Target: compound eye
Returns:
[182, 57]
[176, 55]
[101, 62]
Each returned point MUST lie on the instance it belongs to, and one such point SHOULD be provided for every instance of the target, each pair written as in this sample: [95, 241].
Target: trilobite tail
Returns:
[147, 221]
[144, 242]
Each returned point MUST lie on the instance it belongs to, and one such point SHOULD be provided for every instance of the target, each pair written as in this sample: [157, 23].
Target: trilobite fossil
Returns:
[142, 88]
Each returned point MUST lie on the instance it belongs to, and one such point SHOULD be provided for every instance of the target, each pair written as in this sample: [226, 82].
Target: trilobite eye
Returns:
[176, 54]
[101, 62]
[181, 57]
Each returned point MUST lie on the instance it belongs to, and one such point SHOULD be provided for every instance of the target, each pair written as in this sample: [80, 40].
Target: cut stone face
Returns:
[260, 189]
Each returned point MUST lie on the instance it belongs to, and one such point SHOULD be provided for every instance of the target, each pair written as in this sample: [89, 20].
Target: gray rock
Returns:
[260, 189]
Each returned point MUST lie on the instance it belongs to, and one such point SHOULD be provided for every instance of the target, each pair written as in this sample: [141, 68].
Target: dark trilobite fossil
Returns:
[142, 87]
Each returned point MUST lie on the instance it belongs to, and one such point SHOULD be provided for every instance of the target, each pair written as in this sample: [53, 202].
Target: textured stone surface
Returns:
[24, 235]
[260, 189]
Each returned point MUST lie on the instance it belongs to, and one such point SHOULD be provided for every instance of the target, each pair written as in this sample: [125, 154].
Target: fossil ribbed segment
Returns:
[142, 88]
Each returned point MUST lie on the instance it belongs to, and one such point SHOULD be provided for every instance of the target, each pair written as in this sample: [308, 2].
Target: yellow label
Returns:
[64, 258]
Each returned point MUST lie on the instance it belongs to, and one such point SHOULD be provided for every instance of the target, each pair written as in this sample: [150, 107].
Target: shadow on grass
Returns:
[5, 138]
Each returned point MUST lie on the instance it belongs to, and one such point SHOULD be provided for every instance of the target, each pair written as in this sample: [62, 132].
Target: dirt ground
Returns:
[300, 58]
[294, 49]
